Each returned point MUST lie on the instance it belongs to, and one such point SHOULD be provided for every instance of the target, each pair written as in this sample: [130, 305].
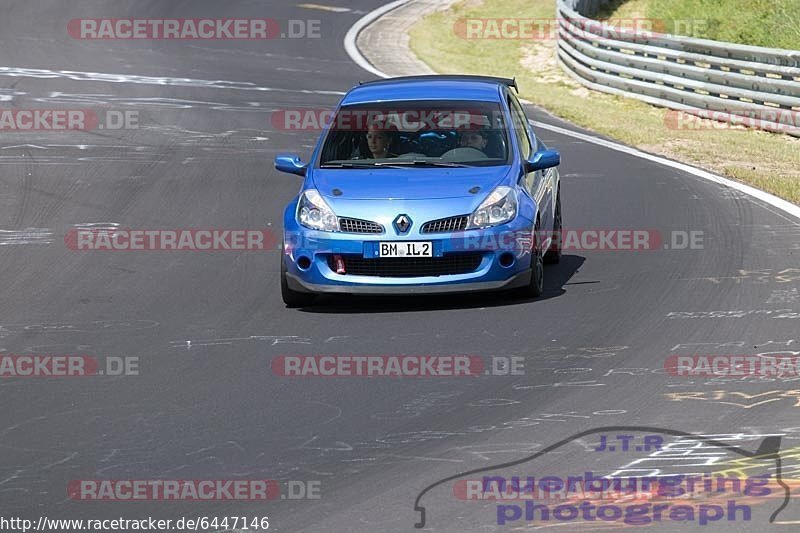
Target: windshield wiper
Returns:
[394, 164]
[420, 163]
[348, 164]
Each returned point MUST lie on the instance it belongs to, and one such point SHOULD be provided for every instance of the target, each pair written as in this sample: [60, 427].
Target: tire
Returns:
[293, 299]
[553, 255]
[536, 287]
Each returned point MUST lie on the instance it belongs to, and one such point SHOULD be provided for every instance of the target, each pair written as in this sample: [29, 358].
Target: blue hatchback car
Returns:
[423, 184]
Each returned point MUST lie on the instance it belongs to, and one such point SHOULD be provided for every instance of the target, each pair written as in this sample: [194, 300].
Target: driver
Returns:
[378, 142]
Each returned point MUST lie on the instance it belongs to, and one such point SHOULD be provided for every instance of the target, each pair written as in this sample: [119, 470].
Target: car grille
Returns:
[406, 267]
[443, 225]
[354, 225]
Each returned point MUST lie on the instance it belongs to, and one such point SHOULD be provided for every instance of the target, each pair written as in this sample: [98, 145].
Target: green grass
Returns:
[772, 23]
[764, 160]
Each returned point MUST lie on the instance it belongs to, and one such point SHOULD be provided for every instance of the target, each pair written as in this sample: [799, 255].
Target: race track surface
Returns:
[206, 325]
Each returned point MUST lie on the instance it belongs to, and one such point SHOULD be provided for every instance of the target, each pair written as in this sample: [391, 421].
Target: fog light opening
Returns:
[506, 259]
[303, 262]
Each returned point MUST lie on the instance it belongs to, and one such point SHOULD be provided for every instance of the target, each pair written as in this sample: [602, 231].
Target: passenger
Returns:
[474, 139]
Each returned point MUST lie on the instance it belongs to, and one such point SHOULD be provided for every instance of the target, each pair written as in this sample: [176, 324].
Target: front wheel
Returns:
[536, 287]
[293, 299]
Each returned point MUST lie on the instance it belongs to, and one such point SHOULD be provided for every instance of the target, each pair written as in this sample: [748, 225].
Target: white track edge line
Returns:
[350, 45]
[770, 199]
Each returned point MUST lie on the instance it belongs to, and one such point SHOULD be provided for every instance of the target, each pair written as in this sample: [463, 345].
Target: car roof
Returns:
[476, 88]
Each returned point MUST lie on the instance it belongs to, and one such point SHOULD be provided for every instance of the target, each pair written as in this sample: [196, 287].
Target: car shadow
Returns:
[555, 279]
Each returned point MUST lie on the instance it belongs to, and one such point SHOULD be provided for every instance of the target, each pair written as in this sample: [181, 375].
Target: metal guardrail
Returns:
[712, 79]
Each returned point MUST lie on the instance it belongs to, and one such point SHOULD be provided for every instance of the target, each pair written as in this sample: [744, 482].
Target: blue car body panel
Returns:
[422, 194]
[412, 184]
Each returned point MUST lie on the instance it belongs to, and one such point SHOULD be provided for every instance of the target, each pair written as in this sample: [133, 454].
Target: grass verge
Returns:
[771, 23]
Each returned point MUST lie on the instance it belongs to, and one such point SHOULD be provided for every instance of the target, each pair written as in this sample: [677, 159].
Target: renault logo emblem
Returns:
[402, 223]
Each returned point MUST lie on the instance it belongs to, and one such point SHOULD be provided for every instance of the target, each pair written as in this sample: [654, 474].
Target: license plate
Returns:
[405, 249]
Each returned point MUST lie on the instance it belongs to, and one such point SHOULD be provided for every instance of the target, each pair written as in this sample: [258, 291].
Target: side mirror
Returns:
[290, 163]
[543, 159]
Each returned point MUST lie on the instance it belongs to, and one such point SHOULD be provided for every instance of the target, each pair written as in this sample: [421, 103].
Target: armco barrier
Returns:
[696, 76]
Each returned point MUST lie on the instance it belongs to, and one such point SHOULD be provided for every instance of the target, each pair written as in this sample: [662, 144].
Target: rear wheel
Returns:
[553, 255]
[291, 298]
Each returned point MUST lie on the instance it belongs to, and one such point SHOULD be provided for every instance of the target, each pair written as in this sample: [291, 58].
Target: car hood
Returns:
[408, 184]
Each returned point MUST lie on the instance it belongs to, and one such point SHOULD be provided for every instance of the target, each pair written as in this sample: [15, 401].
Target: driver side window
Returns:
[520, 126]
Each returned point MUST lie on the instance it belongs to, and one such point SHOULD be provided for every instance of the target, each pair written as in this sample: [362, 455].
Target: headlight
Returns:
[499, 207]
[314, 213]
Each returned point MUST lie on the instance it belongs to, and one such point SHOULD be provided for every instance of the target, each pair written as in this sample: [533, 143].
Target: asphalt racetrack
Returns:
[205, 326]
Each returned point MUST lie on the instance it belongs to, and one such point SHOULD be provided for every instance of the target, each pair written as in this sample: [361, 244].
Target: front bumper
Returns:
[517, 280]
[504, 261]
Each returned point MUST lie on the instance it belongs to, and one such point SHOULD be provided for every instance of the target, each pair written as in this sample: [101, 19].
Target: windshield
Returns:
[416, 134]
